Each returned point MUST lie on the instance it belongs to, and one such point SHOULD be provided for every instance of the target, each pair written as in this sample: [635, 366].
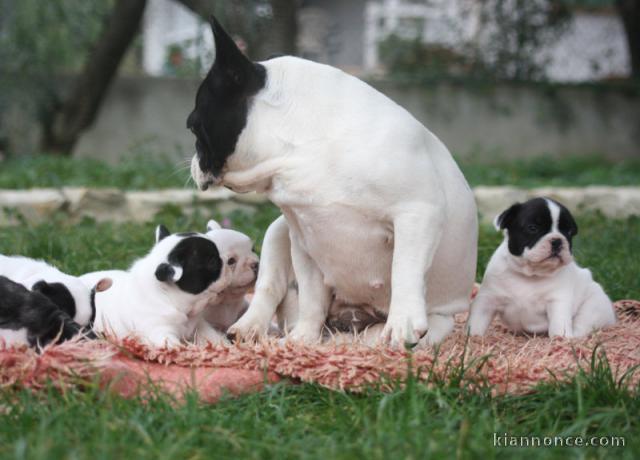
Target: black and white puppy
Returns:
[66, 291]
[532, 281]
[375, 210]
[31, 318]
[161, 298]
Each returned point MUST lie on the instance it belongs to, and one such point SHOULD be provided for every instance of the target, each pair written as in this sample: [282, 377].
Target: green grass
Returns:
[138, 172]
[608, 247]
[576, 171]
[444, 420]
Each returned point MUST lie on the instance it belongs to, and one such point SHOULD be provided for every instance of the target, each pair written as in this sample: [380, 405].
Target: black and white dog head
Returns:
[539, 232]
[189, 261]
[222, 106]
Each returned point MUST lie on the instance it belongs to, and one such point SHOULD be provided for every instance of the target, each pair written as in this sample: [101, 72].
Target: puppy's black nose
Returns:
[556, 245]
[255, 266]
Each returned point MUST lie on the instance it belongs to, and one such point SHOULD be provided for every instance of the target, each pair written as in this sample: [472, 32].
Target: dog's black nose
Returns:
[556, 245]
[255, 266]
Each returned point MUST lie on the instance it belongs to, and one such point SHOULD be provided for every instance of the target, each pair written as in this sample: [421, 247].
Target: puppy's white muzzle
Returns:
[551, 251]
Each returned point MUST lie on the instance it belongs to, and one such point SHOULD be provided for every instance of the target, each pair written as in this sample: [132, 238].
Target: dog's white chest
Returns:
[352, 250]
[525, 304]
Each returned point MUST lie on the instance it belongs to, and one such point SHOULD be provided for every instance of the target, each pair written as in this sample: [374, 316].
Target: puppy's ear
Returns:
[504, 219]
[42, 287]
[161, 233]
[213, 225]
[103, 284]
[166, 272]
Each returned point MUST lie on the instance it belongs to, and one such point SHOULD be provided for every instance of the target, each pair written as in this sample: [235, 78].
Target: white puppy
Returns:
[532, 281]
[236, 250]
[68, 292]
[161, 298]
[376, 210]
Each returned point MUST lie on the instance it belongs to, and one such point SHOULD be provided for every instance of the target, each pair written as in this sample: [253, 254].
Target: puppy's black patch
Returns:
[200, 262]
[59, 295]
[222, 102]
[35, 312]
[528, 222]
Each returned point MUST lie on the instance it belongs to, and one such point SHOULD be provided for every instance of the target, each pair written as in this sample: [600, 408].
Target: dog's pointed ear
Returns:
[504, 219]
[227, 52]
[161, 233]
[167, 272]
[213, 225]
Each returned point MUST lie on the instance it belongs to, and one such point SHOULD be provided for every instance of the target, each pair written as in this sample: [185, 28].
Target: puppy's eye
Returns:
[531, 228]
[231, 261]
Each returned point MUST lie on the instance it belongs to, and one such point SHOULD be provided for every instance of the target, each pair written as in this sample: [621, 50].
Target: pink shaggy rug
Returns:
[511, 363]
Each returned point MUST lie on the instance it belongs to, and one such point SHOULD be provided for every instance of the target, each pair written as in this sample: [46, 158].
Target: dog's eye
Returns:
[531, 228]
[231, 261]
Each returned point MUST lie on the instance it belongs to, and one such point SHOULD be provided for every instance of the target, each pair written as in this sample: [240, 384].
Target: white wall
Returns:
[166, 23]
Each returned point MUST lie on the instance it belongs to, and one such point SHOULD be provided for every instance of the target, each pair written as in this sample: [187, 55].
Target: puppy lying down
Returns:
[68, 292]
[40, 304]
[532, 281]
[188, 287]
[30, 318]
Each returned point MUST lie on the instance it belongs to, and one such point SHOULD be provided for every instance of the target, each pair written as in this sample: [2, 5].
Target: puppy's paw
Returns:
[404, 330]
[162, 341]
[440, 326]
[247, 329]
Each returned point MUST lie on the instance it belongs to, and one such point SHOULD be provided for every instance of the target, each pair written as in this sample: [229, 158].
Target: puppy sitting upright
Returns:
[532, 280]
[236, 250]
[162, 297]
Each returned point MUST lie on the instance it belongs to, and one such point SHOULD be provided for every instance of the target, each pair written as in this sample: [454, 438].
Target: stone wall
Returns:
[140, 206]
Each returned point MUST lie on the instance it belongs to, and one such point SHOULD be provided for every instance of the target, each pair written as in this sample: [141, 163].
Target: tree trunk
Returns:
[629, 11]
[78, 111]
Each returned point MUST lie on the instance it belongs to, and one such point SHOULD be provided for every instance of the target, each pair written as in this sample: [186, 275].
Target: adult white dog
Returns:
[376, 209]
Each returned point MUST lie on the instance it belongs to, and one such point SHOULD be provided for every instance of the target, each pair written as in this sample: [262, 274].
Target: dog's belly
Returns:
[527, 314]
[352, 250]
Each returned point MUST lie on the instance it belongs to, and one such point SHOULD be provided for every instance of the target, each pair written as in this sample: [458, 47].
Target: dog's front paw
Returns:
[159, 340]
[306, 333]
[404, 330]
[247, 328]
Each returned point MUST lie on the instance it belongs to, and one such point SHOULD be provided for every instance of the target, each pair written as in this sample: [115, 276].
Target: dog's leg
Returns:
[416, 238]
[440, 326]
[596, 312]
[288, 310]
[272, 284]
[314, 297]
[560, 320]
[483, 309]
